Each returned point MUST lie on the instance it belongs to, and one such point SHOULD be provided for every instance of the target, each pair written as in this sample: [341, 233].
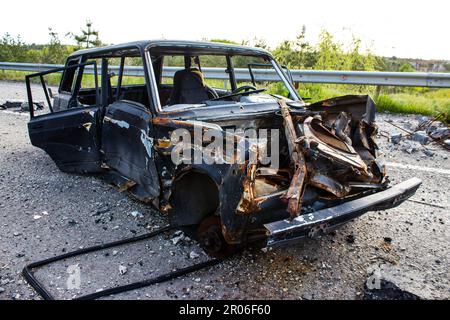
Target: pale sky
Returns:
[415, 29]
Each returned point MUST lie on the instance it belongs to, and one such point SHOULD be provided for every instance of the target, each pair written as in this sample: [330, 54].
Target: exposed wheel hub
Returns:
[211, 238]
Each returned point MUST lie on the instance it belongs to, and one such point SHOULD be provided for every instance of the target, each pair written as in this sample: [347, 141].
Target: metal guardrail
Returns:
[406, 79]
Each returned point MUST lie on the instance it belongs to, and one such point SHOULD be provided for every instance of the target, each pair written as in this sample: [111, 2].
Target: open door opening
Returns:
[69, 132]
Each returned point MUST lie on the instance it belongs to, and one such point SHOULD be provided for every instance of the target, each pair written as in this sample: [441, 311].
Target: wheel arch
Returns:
[194, 196]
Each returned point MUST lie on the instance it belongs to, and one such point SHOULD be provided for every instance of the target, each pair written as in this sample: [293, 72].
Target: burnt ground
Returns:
[44, 212]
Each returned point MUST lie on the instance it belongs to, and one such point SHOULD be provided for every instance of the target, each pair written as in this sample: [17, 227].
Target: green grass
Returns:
[424, 104]
[425, 101]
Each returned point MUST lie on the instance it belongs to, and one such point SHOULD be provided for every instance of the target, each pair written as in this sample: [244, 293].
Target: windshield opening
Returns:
[212, 79]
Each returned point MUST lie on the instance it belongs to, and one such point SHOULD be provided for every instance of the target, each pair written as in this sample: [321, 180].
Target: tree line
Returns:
[14, 49]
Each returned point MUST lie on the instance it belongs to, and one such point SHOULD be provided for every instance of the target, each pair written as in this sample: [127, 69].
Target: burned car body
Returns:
[326, 173]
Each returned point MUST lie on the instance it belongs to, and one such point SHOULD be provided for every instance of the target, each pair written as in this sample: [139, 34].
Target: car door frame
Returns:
[69, 136]
[131, 154]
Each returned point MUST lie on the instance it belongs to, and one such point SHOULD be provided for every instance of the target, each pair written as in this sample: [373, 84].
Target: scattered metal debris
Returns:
[398, 127]
[27, 271]
[21, 105]
[427, 204]
[427, 131]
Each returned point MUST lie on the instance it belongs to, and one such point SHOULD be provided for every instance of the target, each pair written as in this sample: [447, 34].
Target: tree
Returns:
[88, 37]
[12, 49]
[54, 52]
[406, 67]
[447, 67]
[297, 53]
[331, 54]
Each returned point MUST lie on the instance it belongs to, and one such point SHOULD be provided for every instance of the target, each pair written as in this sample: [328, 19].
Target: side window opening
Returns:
[129, 85]
[87, 94]
[68, 77]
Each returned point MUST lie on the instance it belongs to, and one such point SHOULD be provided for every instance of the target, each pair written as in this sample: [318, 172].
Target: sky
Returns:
[409, 29]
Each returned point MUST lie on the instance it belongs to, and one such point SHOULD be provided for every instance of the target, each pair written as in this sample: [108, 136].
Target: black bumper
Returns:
[285, 231]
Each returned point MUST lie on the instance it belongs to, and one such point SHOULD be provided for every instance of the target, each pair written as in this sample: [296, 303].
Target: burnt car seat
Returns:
[189, 87]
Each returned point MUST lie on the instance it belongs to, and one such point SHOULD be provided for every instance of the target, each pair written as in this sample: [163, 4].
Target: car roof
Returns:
[171, 47]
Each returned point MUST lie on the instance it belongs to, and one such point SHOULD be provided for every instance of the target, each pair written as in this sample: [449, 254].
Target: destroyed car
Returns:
[117, 109]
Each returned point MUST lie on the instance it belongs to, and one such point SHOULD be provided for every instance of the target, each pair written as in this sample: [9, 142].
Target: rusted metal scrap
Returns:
[295, 192]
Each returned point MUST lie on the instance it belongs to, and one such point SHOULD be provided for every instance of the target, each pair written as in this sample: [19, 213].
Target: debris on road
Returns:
[36, 106]
[193, 255]
[11, 104]
[440, 133]
[396, 138]
[350, 239]
[410, 147]
[178, 236]
[425, 132]
[427, 204]
[421, 136]
[428, 153]
[122, 270]
[21, 105]
[447, 144]
[137, 214]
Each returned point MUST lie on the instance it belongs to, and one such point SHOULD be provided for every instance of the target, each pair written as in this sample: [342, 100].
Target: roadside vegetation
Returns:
[327, 54]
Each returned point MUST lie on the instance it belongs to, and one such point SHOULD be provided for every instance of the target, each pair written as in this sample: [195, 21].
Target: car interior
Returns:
[187, 86]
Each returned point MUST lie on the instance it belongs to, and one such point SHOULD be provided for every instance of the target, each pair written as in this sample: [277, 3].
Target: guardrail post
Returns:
[377, 92]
